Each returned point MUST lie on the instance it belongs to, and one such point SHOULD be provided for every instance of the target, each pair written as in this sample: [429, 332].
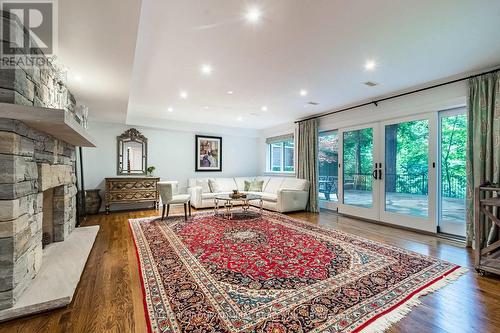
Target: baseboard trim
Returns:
[418, 231]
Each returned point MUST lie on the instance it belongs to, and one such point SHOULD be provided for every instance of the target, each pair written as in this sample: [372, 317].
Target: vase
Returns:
[93, 201]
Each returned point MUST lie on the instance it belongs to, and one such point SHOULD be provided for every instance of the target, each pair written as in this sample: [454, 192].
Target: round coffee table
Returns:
[228, 204]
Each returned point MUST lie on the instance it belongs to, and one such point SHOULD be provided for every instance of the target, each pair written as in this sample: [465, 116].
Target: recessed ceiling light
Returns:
[206, 69]
[206, 107]
[170, 109]
[183, 94]
[253, 14]
[264, 108]
[303, 92]
[370, 65]
[230, 92]
[239, 118]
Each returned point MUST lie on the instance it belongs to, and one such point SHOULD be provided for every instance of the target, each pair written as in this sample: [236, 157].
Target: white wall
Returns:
[442, 98]
[170, 151]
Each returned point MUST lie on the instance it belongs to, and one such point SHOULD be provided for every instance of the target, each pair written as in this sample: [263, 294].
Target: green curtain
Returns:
[483, 145]
[307, 157]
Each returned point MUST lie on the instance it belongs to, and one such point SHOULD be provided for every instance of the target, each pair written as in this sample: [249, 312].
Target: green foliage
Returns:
[358, 152]
[412, 147]
[453, 155]
[150, 169]
[407, 155]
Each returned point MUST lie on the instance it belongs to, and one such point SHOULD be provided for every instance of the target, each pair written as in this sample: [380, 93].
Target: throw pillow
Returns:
[246, 188]
[256, 186]
[213, 186]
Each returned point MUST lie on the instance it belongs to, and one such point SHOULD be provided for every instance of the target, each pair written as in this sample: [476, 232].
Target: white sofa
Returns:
[279, 194]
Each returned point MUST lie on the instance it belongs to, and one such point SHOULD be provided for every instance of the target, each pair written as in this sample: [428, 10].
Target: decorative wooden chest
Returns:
[131, 190]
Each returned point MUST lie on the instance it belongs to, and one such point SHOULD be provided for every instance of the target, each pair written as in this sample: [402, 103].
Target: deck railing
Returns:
[454, 187]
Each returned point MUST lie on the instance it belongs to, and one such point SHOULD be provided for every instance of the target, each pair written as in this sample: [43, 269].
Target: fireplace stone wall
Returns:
[30, 163]
[28, 84]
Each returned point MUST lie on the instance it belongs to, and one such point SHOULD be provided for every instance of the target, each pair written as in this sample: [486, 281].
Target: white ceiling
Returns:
[318, 45]
[97, 43]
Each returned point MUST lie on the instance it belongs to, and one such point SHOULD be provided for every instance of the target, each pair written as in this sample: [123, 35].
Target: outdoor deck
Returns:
[409, 204]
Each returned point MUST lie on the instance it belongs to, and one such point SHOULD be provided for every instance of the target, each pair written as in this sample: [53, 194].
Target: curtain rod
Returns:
[375, 102]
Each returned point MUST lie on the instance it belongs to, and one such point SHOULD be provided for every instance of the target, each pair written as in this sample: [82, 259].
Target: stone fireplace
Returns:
[37, 185]
[41, 258]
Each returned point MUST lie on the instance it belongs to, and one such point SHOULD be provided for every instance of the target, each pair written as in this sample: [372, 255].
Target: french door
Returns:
[387, 171]
[358, 171]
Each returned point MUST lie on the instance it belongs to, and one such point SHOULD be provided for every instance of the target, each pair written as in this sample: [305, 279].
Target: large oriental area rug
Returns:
[275, 274]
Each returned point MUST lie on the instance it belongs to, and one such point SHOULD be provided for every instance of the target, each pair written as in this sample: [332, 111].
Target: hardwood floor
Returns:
[109, 296]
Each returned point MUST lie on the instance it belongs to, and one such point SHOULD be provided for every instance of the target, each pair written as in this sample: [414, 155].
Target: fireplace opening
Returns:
[48, 217]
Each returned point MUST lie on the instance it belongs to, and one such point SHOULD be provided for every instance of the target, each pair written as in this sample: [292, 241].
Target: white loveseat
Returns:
[279, 194]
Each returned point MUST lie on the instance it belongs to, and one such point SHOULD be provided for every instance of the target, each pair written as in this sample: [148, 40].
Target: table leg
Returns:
[228, 206]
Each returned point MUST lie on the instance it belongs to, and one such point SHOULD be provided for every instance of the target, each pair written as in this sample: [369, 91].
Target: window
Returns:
[281, 153]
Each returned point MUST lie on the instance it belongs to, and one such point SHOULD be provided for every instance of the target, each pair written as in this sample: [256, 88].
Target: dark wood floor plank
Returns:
[109, 296]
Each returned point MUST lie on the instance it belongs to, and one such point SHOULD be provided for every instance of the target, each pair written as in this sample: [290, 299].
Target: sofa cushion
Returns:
[265, 179]
[266, 196]
[225, 185]
[273, 185]
[202, 182]
[240, 182]
[256, 186]
[214, 187]
[295, 184]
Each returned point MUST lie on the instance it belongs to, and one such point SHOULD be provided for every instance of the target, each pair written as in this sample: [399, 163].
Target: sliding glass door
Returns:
[409, 176]
[452, 185]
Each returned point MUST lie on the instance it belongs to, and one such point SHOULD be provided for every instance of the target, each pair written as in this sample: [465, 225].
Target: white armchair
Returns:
[170, 196]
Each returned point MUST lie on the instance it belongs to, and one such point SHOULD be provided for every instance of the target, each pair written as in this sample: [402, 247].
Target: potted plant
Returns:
[150, 170]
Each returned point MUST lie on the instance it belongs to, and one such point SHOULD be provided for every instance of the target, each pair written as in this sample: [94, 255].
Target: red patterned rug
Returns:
[275, 274]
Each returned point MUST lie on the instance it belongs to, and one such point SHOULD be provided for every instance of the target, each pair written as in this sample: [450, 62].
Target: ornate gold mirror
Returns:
[132, 153]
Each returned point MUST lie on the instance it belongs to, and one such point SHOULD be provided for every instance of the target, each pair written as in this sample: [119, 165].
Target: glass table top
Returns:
[229, 198]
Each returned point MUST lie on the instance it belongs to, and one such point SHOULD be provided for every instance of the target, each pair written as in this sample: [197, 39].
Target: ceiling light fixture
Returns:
[303, 92]
[253, 14]
[183, 94]
[370, 65]
[170, 109]
[230, 92]
[264, 108]
[206, 107]
[239, 118]
[206, 69]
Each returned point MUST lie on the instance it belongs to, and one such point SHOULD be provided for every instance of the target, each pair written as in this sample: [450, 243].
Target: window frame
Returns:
[282, 157]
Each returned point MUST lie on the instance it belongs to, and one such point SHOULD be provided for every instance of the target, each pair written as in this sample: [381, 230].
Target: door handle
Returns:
[379, 174]
[374, 174]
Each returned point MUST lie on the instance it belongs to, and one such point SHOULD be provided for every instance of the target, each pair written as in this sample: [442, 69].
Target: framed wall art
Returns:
[208, 153]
